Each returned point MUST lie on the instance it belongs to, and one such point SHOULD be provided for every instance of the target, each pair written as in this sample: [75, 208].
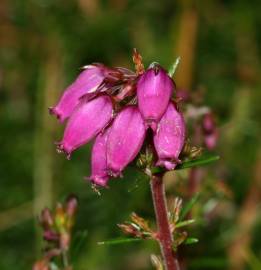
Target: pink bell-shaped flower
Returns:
[86, 83]
[154, 90]
[88, 119]
[99, 174]
[125, 139]
[169, 137]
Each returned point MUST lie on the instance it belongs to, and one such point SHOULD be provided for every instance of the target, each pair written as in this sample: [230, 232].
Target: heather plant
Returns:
[135, 118]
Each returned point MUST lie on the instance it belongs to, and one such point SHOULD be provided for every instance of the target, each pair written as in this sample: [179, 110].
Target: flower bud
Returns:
[125, 139]
[86, 83]
[50, 236]
[154, 90]
[85, 123]
[71, 206]
[99, 175]
[46, 219]
[169, 138]
[60, 218]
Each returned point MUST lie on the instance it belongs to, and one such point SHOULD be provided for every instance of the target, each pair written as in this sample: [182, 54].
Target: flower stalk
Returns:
[165, 237]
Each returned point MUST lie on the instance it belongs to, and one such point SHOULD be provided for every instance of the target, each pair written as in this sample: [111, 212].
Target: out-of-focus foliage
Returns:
[43, 44]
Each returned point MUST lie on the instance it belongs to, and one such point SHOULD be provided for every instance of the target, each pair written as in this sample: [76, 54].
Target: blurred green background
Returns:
[42, 45]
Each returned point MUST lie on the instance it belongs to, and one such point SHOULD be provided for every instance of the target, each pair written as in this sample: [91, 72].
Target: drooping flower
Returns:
[86, 83]
[125, 139]
[88, 119]
[141, 98]
[169, 138]
[154, 90]
[99, 168]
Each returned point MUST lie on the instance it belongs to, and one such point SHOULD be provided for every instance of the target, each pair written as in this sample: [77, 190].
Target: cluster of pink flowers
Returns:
[116, 107]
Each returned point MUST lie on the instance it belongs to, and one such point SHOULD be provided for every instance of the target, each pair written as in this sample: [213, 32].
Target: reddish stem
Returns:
[164, 234]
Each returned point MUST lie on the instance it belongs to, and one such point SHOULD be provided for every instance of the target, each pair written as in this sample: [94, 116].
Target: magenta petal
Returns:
[154, 90]
[86, 122]
[86, 83]
[125, 139]
[169, 138]
[99, 174]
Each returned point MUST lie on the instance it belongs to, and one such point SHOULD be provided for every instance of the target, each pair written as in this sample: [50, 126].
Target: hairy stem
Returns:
[164, 234]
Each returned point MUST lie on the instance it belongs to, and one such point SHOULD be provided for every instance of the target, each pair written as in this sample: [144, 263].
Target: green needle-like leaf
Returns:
[184, 223]
[174, 66]
[190, 241]
[78, 242]
[188, 206]
[205, 159]
[118, 241]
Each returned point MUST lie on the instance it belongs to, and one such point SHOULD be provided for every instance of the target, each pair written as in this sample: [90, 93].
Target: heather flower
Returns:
[99, 169]
[209, 131]
[154, 90]
[141, 99]
[86, 83]
[125, 139]
[88, 119]
[169, 138]
[208, 123]
[210, 140]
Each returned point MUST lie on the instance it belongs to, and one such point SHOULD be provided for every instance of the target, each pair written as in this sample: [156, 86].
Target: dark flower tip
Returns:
[53, 111]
